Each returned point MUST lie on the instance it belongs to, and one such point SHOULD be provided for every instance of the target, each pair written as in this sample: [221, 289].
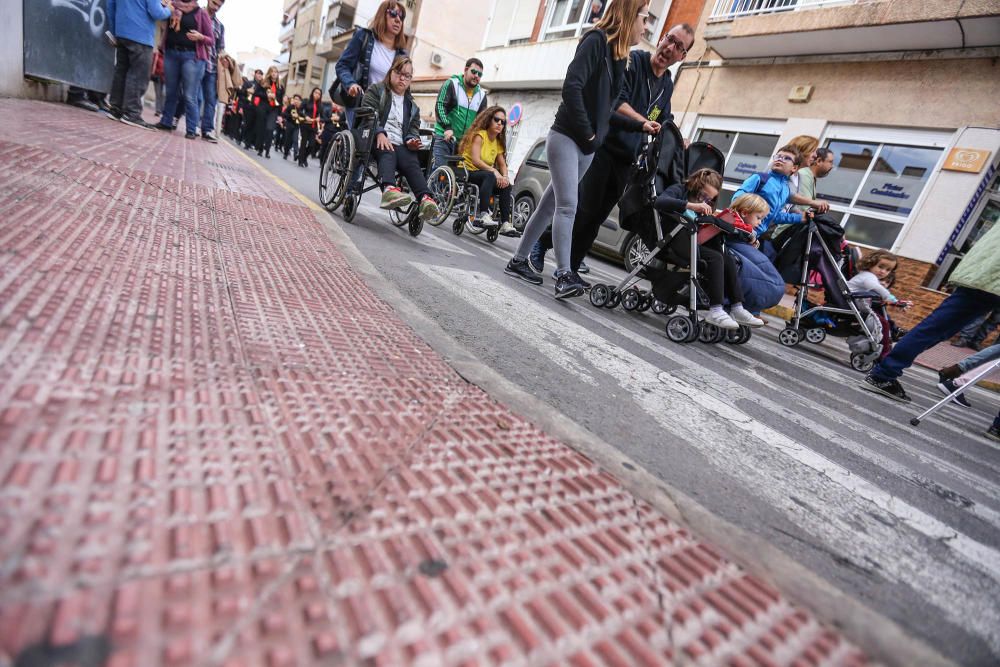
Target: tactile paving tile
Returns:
[221, 447]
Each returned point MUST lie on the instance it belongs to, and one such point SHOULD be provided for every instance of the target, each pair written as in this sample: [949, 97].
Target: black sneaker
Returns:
[993, 433]
[520, 269]
[890, 388]
[209, 137]
[190, 135]
[569, 285]
[947, 387]
[136, 122]
[586, 285]
[164, 127]
[536, 258]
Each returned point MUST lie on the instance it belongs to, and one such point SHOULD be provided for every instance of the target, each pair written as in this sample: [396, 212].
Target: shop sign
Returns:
[980, 191]
[966, 159]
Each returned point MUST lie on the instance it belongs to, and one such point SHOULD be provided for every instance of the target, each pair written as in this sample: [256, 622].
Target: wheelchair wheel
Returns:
[442, 186]
[789, 337]
[492, 234]
[862, 362]
[335, 175]
[681, 329]
[350, 206]
[816, 335]
[599, 295]
[416, 224]
[400, 216]
[475, 231]
[458, 226]
[631, 299]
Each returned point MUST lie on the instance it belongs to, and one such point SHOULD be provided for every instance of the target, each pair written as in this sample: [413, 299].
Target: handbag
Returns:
[338, 91]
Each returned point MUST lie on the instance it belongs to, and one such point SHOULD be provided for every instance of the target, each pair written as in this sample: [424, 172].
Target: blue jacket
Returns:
[352, 54]
[776, 192]
[135, 19]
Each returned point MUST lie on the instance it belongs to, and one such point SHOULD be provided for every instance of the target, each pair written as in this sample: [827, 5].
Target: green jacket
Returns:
[980, 268]
[454, 109]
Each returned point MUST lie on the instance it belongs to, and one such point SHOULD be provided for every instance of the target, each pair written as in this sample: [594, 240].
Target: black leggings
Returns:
[404, 160]
[307, 136]
[487, 182]
[720, 277]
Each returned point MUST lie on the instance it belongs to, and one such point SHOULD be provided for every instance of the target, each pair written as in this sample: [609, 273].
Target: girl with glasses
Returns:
[592, 85]
[484, 148]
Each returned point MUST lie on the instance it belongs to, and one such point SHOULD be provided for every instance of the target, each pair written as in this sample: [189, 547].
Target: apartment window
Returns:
[300, 70]
[317, 73]
[568, 18]
[747, 151]
[875, 186]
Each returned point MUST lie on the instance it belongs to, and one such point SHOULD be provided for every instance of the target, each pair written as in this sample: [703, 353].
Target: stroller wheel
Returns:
[862, 362]
[458, 226]
[599, 295]
[680, 328]
[789, 337]
[710, 333]
[614, 298]
[646, 303]
[631, 299]
[739, 336]
[661, 308]
[816, 335]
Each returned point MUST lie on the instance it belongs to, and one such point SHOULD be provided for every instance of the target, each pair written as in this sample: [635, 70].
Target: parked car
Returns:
[533, 177]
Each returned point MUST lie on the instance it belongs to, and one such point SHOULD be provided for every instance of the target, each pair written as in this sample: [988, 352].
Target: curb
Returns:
[881, 638]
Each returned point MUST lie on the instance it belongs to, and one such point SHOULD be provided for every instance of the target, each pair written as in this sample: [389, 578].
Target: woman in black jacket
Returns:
[311, 112]
[267, 96]
[593, 82]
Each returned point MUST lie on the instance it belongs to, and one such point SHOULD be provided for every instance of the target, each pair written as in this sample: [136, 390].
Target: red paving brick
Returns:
[221, 447]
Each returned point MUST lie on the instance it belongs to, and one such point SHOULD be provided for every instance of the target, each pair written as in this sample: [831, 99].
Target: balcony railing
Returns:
[727, 10]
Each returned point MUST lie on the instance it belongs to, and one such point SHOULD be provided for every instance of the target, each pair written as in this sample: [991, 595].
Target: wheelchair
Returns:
[352, 151]
[451, 189]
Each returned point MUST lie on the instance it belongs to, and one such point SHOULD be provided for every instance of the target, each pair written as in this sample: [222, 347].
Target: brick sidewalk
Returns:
[221, 447]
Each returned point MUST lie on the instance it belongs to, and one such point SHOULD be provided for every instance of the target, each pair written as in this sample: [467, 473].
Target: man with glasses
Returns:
[458, 102]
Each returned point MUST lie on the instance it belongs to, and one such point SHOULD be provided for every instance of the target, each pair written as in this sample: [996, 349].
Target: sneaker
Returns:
[112, 113]
[536, 259]
[583, 282]
[583, 268]
[961, 342]
[475, 223]
[993, 433]
[82, 103]
[947, 387]
[135, 121]
[209, 137]
[568, 285]
[507, 229]
[428, 208]
[744, 316]
[190, 135]
[952, 372]
[721, 319]
[890, 388]
[520, 269]
[488, 222]
[394, 198]
[165, 128]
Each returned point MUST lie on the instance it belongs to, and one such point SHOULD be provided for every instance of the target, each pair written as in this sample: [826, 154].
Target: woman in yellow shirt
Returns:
[484, 148]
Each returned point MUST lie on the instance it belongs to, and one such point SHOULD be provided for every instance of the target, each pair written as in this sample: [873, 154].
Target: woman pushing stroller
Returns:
[720, 278]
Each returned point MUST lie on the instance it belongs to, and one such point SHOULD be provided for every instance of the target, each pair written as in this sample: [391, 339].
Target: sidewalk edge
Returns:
[877, 635]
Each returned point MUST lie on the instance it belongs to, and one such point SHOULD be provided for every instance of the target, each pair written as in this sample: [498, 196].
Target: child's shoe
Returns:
[744, 316]
[394, 198]
[721, 319]
[428, 209]
[487, 221]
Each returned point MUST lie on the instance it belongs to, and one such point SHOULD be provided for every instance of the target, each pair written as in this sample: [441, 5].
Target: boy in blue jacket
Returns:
[773, 187]
[133, 23]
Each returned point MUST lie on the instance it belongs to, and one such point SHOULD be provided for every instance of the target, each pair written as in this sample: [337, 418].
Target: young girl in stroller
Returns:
[693, 198]
[873, 268]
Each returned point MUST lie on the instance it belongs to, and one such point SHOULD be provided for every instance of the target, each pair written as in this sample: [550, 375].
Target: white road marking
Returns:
[827, 501]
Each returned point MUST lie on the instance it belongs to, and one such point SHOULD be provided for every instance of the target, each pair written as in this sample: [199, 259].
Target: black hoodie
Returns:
[648, 95]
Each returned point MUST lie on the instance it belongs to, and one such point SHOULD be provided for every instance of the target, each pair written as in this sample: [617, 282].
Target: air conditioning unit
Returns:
[437, 59]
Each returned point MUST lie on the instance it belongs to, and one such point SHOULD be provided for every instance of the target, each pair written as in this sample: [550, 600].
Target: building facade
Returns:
[301, 66]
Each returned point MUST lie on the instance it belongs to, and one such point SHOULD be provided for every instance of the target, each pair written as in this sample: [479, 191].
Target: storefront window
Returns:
[850, 164]
[897, 178]
[746, 153]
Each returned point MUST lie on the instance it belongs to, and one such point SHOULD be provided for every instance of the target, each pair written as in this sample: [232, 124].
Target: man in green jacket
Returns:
[977, 291]
[458, 103]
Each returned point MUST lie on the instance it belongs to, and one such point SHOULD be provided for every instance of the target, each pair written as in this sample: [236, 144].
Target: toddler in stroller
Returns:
[874, 268]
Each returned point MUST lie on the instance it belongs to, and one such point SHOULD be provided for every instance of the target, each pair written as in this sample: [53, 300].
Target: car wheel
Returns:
[524, 206]
[633, 252]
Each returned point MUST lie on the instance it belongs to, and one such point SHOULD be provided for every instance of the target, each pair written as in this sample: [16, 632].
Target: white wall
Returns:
[539, 112]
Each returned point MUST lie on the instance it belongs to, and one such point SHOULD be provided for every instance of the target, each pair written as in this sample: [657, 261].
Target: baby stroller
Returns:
[662, 162]
[818, 249]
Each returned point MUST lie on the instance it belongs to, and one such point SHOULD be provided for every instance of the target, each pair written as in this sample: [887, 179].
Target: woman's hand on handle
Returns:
[700, 208]
[651, 127]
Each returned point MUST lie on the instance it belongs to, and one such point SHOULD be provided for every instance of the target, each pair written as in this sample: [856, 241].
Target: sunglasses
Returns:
[677, 44]
[396, 14]
[497, 119]
[475, 72]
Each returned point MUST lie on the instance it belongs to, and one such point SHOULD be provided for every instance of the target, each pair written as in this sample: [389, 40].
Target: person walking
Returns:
[977, 292]
[247, 132]
[189, 38]
[645, 100]
[368, 56]
[267, 96]
[291, 119]
[593, 83]
[311, 113]
[133, 23]
[973, 335]
[209, 82]
[459, 101]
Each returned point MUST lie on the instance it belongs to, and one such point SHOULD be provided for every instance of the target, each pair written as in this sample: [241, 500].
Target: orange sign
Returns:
[966, 159]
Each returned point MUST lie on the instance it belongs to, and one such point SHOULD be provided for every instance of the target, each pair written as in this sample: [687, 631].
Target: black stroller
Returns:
[662, 162]
[817, 247]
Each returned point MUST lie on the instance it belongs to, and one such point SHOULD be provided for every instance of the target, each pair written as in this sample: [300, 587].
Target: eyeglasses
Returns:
[396, 14]
[644, 16]
[705, 199]
[778, 157]
[677, 44]
[475, 72]
[498, 119]
[404, 76]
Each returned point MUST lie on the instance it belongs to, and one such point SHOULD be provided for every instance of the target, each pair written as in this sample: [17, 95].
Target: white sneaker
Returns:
[507, 229]
[721, 319]
[744, 316]
[488, 222]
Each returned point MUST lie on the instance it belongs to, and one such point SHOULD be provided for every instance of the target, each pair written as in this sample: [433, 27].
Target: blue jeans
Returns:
[962, 307]
[178, 67]
[440, 149]
[985, 355]
[977, 330]
[209, 98]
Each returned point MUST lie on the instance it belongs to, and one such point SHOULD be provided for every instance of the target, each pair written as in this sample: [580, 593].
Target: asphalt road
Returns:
[781, 442]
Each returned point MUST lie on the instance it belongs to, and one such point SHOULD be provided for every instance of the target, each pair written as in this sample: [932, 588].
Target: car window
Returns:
[537, 154]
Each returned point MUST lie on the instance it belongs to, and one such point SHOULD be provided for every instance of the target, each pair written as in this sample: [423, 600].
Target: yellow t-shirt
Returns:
[491, 149]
